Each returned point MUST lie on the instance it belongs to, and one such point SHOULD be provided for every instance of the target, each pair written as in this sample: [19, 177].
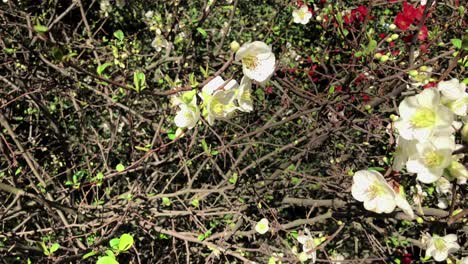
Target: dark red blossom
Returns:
[403, 22]
[358, 14]
[422, 33]
[312, 70]
[268, 90]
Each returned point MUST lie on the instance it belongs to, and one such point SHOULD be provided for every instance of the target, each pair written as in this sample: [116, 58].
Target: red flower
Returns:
[403, 22]
[423, 48]
[268, 90]
[365, 97]
[422, 33]
[312, 70]
[382, 35]
[359, 13]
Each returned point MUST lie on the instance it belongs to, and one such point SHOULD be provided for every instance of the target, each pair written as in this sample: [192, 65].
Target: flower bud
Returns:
[378, 55]
[234, 46]
[413, 73]
[392, 27]
[395, 36]
[384, 58]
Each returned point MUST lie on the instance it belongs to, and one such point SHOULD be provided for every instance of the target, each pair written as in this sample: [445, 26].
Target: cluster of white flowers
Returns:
[378, 196]
[426, 129]
[440, 247]
[219, 98]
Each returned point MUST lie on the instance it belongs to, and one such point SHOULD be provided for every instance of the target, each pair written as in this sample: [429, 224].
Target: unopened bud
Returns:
[234, 46]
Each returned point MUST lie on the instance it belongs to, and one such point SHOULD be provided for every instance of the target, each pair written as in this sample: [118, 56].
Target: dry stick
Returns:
[416, 34]
[223, 37]
[336, 203]
[192, 239]
[31, 161]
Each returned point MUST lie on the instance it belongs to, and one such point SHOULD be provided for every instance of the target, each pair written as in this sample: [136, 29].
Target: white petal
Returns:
[428, 98]
[450, 89]
[212, 85]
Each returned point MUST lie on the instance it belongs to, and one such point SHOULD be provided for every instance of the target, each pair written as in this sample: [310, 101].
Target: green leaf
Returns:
[195, 203]
[54, 247]
[233, 179]
[107, 260]
[100, 69]
[166, 201]
[139, 81]
[376, 168]
[126, 242]
[119, 35]
[89, 254]
[120, 167]
[114, 243]
[457, 43]
[202, 32]
[40, 28]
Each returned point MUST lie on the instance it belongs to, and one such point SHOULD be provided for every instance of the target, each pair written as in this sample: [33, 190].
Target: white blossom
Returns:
[302, 15]
[262, 226]
[439, 247]
[258, 61]
[454, 96]
[371, 188]
[422, 115]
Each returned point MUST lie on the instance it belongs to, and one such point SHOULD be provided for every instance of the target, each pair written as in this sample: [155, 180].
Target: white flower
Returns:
[458, 171]
[440, 247]
[454, 96]
[149, 14]
[431, 158]
[244, 95]
[309, 245]
[464, 260]
[105, 7]
[218, 97]
[159, 42]
[442, 203]
[421, 115]
[262, 226]
[258, 61]
[187, 117]
[337, 258]
[302, 15]
[371, 188]
[189, 113]
[443, 186]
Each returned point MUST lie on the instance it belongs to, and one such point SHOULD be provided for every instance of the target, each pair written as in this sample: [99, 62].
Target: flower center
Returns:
[439, 244]
[433, 159]
[250, 62]
[309, 244]
[217, 107]
[301, 14]
[424, 117]
[246, 96]
[375, 190]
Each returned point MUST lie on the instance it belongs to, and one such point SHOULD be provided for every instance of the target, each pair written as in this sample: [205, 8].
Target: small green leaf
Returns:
[126, 242]
[100, 69]
[89, 254]
[457, 43]
[40, 28]
[107, 260]
[376, 168]
[233, 178]
[54, 247]
[114, 243]
[166, 201]
[465, 42]
[120, 167]
[119, 35]
[139, 81]
[195, 203]
[202, 32]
